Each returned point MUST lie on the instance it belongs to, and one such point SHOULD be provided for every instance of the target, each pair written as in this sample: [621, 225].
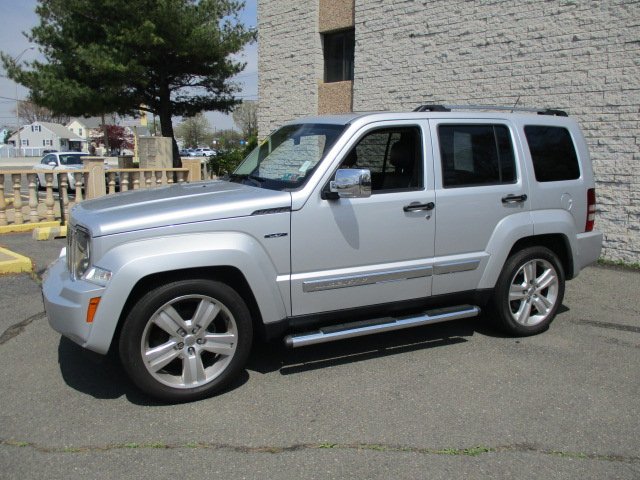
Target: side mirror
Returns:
[52, 164]
[352, 183]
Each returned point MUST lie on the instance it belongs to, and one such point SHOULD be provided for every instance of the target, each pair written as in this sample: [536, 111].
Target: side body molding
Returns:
[133, 261]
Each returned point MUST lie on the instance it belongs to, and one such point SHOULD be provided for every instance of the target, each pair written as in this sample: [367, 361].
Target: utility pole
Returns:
[18, 102]
[106, 137]
[19, 145]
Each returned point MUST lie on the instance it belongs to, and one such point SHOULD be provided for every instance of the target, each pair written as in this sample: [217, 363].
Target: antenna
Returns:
[516, 104]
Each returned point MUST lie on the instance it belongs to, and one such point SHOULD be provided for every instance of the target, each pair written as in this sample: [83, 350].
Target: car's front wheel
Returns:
[186, 340]
[529, 291]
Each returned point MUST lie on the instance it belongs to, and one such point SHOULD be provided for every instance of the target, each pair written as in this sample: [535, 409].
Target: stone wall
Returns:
[579, 56]
[290, 61]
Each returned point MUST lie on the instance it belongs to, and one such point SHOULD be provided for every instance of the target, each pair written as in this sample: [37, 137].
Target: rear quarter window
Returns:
[553, 153]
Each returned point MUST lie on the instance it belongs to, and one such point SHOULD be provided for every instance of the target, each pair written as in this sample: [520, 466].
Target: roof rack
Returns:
[448, 108]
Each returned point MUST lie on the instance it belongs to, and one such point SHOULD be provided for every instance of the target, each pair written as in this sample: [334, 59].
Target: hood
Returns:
[174, 205]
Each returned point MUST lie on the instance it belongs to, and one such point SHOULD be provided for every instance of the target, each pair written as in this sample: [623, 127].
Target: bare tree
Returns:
[29, 112]
[195, 131]
[245, 116]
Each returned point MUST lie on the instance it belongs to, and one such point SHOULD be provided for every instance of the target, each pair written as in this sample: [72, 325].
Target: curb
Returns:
[27, 227]
[11, 262]
[49, 233]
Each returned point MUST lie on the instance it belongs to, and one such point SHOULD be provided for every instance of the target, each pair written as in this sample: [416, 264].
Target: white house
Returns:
[87, 128]
[39, 136]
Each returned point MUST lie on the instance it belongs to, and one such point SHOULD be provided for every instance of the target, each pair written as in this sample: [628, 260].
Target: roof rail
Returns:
[431, 108]
[448, 108]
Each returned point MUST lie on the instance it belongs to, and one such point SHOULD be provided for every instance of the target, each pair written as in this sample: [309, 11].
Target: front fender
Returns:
[131, 262]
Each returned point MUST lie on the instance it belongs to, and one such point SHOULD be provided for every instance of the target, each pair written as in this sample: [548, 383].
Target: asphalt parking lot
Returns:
[453, 400]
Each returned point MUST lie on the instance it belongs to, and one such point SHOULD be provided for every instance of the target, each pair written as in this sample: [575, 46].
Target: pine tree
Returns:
[170, 57]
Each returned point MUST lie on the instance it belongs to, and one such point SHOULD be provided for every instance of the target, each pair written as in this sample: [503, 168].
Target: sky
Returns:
[18, 16]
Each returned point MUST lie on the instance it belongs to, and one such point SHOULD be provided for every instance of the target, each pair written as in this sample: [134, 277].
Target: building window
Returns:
[47, 143]
[338, 55]
[25, 143]
[36, 128]
[80, 132]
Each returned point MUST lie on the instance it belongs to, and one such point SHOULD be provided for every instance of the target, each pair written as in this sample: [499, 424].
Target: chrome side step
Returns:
[387, 324]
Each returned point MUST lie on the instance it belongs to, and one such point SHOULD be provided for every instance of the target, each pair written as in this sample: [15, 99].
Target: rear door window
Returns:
[476, 155]
[553, 153]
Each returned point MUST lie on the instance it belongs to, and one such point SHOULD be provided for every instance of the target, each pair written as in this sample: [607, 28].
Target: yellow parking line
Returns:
[11, 262]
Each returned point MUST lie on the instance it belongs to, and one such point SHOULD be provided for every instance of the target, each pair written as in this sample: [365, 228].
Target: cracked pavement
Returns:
[447, 401]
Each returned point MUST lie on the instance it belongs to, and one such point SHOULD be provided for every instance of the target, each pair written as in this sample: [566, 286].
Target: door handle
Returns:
[514, 198]
[417, 206]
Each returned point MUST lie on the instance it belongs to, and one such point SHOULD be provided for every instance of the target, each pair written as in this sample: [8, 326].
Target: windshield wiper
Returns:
[247, 179]
[258, 181]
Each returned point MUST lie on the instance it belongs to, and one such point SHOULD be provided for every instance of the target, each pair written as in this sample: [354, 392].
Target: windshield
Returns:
[71, 159]
[286, 159]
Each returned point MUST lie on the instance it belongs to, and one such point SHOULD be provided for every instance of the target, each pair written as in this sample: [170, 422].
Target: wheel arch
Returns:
[227, 274]
[552, 231]
[232, 258]
[558, 243]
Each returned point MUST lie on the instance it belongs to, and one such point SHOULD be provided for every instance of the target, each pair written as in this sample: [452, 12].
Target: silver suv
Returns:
[333, 227]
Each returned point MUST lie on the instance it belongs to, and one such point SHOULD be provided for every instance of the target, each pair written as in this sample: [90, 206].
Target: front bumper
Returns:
[66, 302]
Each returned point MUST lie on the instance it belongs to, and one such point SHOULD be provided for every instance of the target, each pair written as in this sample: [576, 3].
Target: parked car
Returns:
[202, 152]
[59, 161]
[334, 227]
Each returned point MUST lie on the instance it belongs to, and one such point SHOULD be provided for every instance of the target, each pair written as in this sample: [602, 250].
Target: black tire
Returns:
[529, 292]
[193, 370]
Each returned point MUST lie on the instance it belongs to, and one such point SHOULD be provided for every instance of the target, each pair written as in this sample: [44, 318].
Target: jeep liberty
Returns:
[333, 227]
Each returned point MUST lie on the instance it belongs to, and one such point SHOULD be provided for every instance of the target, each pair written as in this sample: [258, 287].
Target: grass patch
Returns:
[619, 264]
[467, 452]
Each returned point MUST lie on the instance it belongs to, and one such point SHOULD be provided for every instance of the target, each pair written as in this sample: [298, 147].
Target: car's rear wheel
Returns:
[186, 340]
[529, 291]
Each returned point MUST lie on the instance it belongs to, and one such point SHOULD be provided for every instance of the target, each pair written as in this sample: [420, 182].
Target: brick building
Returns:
[330, 56]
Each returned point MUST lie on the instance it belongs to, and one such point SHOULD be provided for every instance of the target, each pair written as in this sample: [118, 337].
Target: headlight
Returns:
[78, 251]
[98, 275]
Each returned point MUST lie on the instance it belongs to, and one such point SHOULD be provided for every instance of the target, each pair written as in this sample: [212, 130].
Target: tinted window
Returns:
[552, 152]
[71, 159]
[394, 157]
[476, 155]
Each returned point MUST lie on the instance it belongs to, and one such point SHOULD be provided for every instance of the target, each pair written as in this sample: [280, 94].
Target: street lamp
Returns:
[17, 102]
